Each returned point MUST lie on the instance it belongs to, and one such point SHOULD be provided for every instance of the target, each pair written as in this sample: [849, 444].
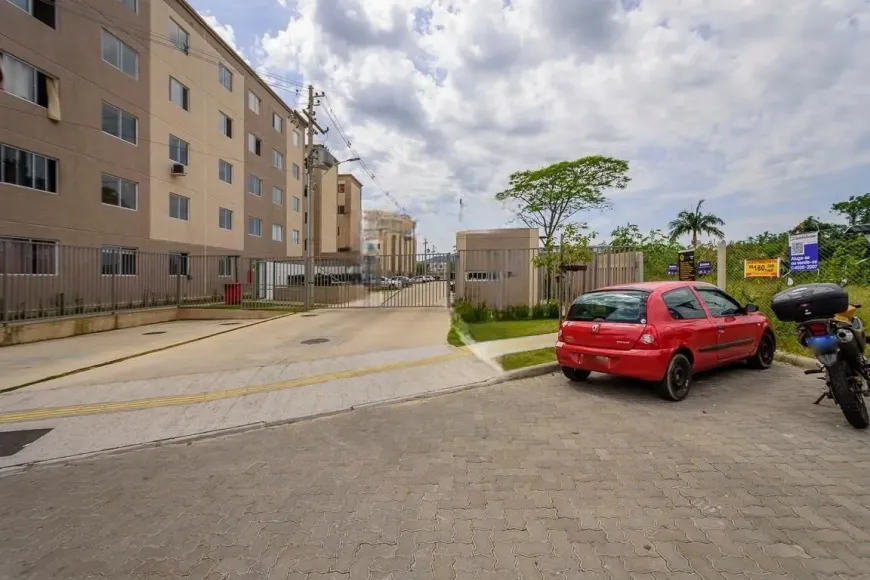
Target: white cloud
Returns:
[715, 98]
[225, 31]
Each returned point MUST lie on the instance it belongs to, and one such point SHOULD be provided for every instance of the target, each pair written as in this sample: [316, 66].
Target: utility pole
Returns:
[309, 225]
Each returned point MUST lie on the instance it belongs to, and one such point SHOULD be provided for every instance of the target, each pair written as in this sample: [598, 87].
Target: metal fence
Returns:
[509, 278]
[42, 280]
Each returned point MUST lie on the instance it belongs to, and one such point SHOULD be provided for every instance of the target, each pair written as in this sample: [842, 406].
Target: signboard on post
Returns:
[803, 252]
[686, 263]
[704, 267]
[762, 268]
[672, 269]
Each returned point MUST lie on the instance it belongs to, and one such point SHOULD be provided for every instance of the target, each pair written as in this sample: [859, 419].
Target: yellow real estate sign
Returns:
[763, 268]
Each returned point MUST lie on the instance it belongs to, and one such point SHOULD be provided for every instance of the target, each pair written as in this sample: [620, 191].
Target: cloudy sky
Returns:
[759, 106]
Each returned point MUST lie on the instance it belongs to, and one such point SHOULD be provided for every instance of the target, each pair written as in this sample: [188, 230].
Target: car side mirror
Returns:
[750, 308]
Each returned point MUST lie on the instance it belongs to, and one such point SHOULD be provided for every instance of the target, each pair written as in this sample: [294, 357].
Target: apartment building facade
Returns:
[349, 226]
[132, 127]
[391, 238]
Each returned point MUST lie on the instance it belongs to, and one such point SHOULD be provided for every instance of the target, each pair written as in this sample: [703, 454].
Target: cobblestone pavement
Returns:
[532, 479]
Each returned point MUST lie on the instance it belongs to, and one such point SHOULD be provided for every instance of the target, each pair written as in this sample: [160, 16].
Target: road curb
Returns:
[524, 373]
[796, 360]
[138, 354]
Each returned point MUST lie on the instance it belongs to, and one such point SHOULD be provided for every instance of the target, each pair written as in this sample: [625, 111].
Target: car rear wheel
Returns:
[678, 379]
[576, 375]
[763, 357]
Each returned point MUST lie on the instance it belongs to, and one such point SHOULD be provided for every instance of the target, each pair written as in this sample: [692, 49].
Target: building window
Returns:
[277, 233]
[27, 169]
[120, 123]
[118, 261]
[42, 10]
[341, 210]
[482, 276]
[179, 263]
[341, 188]
[296, 138]
[277, 196]
[277, 159]
[255, 185]
[120, 192]
[178, 36]
[226, 266]
[225, 77]
[179, 207]
[226, 126]
[179, 150]
[295, 237]
[28, 256]
[225, 218]
[225, 171]
[254, 102]
[255, 226]
[278, 123]
[133, 5]
[179, 94]
[254, 144]
[120, 55]
[24, 80]
[296, 171]
[296, 204]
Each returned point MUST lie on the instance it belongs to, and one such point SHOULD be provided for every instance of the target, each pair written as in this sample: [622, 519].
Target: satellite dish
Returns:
[790, 281]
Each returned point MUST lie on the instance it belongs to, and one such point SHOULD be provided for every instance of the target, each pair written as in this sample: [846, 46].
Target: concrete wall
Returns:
[495, 267]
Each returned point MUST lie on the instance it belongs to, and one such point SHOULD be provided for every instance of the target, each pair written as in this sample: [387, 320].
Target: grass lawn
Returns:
[497, 330]
[528, 358]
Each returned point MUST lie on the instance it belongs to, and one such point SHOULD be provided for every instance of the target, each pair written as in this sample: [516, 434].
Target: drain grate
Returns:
[315, 341]
[11, 442]
[230, 323]
[153, 332]
[307, 315]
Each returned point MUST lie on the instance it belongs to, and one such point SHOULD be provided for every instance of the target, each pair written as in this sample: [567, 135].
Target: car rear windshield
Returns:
[628, 306]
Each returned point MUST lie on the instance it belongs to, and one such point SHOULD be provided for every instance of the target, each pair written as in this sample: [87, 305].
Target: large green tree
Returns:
[856, 209]
[696, 222]
[549, 197]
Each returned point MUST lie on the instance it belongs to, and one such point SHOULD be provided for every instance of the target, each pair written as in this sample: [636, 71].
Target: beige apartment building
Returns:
[349, 199]
[392, 238]
[134, 129]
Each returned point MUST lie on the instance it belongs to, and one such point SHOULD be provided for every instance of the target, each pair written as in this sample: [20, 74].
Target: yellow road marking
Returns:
[207, 397]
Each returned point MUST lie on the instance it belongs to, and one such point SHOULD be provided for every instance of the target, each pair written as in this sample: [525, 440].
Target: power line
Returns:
[337, 125]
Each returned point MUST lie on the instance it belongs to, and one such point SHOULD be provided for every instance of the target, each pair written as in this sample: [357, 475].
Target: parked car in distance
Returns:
[661, 332]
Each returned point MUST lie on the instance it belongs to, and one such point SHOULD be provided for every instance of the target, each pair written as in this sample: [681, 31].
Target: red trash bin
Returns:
[233, 293]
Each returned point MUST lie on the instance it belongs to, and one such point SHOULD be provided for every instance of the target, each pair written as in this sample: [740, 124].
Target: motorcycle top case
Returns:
[810, 301]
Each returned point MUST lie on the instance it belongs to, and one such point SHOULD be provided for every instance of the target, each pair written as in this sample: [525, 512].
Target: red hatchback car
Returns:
[661, 332]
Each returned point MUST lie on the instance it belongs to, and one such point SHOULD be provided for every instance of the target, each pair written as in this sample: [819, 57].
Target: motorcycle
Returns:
[829, 328]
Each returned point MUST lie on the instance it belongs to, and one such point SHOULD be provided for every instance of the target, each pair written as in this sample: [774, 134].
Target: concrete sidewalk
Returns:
[491, 350]
[25, 363]
[106, 417]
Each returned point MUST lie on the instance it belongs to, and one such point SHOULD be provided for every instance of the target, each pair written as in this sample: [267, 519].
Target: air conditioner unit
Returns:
[178, 169]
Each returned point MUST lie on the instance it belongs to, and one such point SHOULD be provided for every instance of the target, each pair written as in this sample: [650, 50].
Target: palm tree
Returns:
[695, 222]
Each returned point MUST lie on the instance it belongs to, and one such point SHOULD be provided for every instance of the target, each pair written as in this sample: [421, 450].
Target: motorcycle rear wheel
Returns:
[851, 402]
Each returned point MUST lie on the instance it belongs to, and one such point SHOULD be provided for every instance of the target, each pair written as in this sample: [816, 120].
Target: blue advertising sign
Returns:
[672, 269]
[803, 252]
[704, 267]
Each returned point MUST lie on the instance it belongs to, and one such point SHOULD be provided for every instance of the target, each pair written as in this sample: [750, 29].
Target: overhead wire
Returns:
[336, 124]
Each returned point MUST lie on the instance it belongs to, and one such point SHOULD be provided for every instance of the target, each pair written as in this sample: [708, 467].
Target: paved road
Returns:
[538, 479]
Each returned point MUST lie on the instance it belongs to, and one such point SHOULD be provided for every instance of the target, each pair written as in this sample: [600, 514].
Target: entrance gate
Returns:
[379, 281]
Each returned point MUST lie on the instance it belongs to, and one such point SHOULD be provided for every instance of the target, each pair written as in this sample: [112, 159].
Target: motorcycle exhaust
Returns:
[845, 336]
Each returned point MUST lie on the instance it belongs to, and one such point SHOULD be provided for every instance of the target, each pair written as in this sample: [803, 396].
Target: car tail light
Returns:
[649, 338]
[561, 328]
